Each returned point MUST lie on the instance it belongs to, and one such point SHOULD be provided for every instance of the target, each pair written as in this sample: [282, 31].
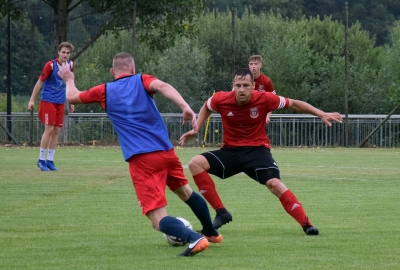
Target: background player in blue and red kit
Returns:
[261, 81]
[51, 106]
[143, 137]
[246, 147]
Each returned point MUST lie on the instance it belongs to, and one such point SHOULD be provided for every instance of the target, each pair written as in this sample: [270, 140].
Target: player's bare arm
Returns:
[35, 91]
[201, 119]
[304, 107]
[72, 93]
[172, 94]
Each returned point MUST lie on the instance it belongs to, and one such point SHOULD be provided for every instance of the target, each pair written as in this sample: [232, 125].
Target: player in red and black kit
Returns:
[261, 81]
[246, 147]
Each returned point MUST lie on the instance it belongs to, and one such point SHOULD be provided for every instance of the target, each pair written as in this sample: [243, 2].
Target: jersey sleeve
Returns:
[94, 94]
[269, 87]
[212, 102]
[146, 80]
[276, 102]
[46, 72]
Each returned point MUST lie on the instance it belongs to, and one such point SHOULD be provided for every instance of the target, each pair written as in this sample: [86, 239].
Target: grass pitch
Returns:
[85, 216]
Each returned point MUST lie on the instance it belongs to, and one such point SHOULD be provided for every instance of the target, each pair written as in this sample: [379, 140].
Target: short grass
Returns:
[85, 216]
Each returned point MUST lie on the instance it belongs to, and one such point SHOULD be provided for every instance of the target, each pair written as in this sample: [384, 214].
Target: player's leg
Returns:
[174, 227]
[291, 205]
[178, 183]
[198, 167]
[52, 145]
[41, 163]
[150, 191]
[268, 174]
[58, 123]
[212, 162]
[199, 207]
[44, 111]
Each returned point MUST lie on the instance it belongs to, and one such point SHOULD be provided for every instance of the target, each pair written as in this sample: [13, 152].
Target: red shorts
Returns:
[51, 114]
[151, 173]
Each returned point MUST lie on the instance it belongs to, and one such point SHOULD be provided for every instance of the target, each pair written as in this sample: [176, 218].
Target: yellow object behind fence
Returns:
[206, 131]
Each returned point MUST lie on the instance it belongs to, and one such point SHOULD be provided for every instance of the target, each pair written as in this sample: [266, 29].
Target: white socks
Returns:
[50, 154]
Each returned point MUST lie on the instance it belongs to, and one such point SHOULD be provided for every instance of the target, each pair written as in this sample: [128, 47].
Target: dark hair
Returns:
[243, 72]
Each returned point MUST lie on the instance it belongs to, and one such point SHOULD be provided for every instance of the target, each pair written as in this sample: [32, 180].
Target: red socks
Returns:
[288, 200]
[207, 188]
[294, 208]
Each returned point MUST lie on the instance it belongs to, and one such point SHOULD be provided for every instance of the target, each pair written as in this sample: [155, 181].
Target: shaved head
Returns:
[123, 63]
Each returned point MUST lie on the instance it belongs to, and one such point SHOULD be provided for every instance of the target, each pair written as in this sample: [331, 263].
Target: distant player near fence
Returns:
[51, 106]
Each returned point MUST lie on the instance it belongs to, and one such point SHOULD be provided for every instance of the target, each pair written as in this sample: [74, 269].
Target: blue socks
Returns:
[174, 227]
[200, 209]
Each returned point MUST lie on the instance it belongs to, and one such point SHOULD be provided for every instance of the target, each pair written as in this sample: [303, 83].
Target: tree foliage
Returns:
[159, 23]
[22, 69]
[389, 76]
[9, 7]
[375, 16]
[304, 57]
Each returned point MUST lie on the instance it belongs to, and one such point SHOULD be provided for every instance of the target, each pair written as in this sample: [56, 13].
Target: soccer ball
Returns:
[175, 241]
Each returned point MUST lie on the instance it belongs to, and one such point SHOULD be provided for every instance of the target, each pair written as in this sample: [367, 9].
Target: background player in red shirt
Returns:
[51, 106]
[261, 81]
[143, 137]
[246, 147]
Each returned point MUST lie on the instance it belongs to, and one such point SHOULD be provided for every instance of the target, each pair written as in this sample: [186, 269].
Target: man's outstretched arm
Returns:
[304, 107]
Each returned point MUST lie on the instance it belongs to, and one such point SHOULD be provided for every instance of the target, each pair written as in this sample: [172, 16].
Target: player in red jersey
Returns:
[261, 81]
[246, 147]
[51, 106]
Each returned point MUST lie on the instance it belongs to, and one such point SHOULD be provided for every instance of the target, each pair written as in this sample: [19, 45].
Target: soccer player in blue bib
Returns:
[51, 106]
[143, 137]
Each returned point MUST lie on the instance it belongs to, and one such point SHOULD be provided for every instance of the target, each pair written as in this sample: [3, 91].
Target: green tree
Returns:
[286, 8]
[304, 58]
[21, 68]
[389, 76]
[184, 66]
[375, 16]
[158, 23]
[9, 8]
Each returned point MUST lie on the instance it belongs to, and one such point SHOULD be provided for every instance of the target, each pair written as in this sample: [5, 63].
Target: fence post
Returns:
[346, 88]
[233, 39]
[9, 122]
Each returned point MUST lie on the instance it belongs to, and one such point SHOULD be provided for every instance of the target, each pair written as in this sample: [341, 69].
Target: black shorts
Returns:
[255, 161]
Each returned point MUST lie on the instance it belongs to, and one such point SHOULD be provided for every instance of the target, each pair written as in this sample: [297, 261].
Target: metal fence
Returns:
[284, 130]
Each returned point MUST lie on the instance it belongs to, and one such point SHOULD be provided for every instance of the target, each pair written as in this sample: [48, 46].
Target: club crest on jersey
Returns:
[261, 88]
[253, 112]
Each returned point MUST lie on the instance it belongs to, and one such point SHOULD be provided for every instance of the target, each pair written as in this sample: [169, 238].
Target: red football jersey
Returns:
[244, 125]
[263, 83]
